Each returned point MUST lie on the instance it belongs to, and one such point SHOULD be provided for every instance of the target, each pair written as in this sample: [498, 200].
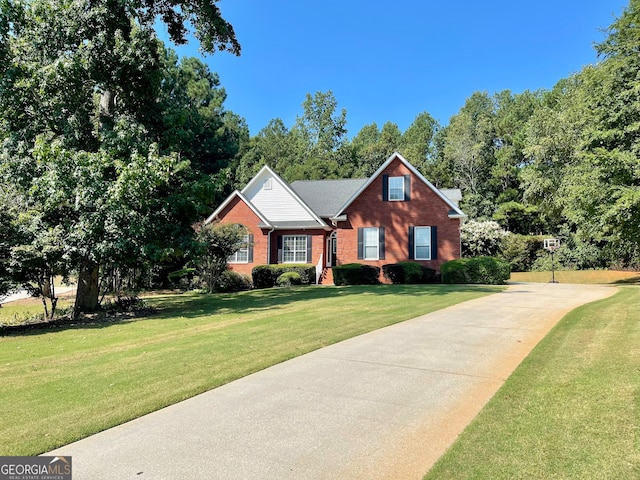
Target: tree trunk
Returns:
[107, 102]
[88, 291]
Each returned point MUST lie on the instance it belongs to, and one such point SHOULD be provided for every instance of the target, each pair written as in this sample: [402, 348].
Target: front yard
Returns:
[64, 383]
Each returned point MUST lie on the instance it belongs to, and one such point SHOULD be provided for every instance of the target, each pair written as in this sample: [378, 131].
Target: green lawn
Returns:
[579, 276]
[570, 411]
[62, 384]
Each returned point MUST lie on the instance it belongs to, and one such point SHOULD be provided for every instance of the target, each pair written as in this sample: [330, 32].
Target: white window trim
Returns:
[234, 258]
[415, 242]
[284, 240]
[364, 243]
[402, 196]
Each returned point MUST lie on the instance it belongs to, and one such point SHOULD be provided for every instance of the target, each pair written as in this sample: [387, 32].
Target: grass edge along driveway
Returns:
[570, 410]
[63, 384]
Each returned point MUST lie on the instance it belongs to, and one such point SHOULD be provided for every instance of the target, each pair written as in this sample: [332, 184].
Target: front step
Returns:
[327, 276]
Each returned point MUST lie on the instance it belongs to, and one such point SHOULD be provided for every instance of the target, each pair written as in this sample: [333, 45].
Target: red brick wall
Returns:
[425, 208]
[317, 243]
[239, 212]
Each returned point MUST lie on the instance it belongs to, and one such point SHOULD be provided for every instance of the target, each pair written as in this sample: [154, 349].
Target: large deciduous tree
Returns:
[469, 150]
[322, 127]
[82, 120]
[601, 192]
[418, 141]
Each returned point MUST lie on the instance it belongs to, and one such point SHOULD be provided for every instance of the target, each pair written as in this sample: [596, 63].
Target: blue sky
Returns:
[390, 61]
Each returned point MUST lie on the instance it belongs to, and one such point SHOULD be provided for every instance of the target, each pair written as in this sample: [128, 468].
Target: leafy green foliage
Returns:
[289, 279]
[217, 242]
[521, 251]
[478, 270]
[408, 273]
[230, 281]
[99, 124]
[516, 217]
[266, 276]
[356, 274]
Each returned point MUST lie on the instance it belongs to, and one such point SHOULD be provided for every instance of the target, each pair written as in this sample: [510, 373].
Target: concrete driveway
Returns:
[385, 404]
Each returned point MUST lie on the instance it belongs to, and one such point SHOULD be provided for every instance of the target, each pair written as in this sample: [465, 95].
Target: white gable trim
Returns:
[457, 213]
[235, 194]
[287, 188]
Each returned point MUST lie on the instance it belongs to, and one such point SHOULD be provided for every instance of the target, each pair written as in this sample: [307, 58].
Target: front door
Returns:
[332, 244]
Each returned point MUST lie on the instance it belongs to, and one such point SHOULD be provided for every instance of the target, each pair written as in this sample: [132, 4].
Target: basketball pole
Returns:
[553, 269]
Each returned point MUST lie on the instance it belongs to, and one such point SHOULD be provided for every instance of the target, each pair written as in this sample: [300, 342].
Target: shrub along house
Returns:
[395, 215]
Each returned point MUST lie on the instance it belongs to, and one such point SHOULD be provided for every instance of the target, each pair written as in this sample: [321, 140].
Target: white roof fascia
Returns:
[256, 176]
[458, 212]
[224, 204]
[289, 190]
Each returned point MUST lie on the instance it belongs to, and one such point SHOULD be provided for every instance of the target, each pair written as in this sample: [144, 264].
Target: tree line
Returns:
[562, 162]
[112, 147]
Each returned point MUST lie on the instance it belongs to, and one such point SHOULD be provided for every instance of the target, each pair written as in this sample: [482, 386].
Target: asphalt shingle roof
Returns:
[325, 197]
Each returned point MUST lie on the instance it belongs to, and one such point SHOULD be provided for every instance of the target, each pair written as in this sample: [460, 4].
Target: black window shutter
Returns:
[360, 244]
[407, 188]
[434, 243]
[279, 241]
[411, 244]
[250, 248]
[309, 252]
[385, 188]
[381, 243]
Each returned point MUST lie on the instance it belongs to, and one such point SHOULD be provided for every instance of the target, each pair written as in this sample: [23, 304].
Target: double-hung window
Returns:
[371, 243]
[242, 254]
[422, 243]
[396, 188]
[294, 248]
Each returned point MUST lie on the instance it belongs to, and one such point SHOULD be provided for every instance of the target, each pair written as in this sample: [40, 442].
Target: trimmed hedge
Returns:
[408, 273]
[356, 274]
[288, 279]
[231, 281]
[266, 276]
[482, 270]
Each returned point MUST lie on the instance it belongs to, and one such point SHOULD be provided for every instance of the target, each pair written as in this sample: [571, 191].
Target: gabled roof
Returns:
[455, 211]
[326, 197]
[453, 194]
[286, 208]
[304, 203]
[242, 198]
[307, 217]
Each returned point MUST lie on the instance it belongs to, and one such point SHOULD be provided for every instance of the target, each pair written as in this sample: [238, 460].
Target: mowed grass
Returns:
[21, 311]
[571, 410]
[579, 276]
[62, 384]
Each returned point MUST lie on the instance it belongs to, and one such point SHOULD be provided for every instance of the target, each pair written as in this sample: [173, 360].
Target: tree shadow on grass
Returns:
[269, 299]
[194, 305]
[92, 321]
[628, 281]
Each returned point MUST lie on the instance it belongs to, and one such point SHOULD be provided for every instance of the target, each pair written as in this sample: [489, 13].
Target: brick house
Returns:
[395, 215]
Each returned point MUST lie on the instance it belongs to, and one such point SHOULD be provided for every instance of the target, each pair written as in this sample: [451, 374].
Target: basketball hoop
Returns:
[552, 244]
